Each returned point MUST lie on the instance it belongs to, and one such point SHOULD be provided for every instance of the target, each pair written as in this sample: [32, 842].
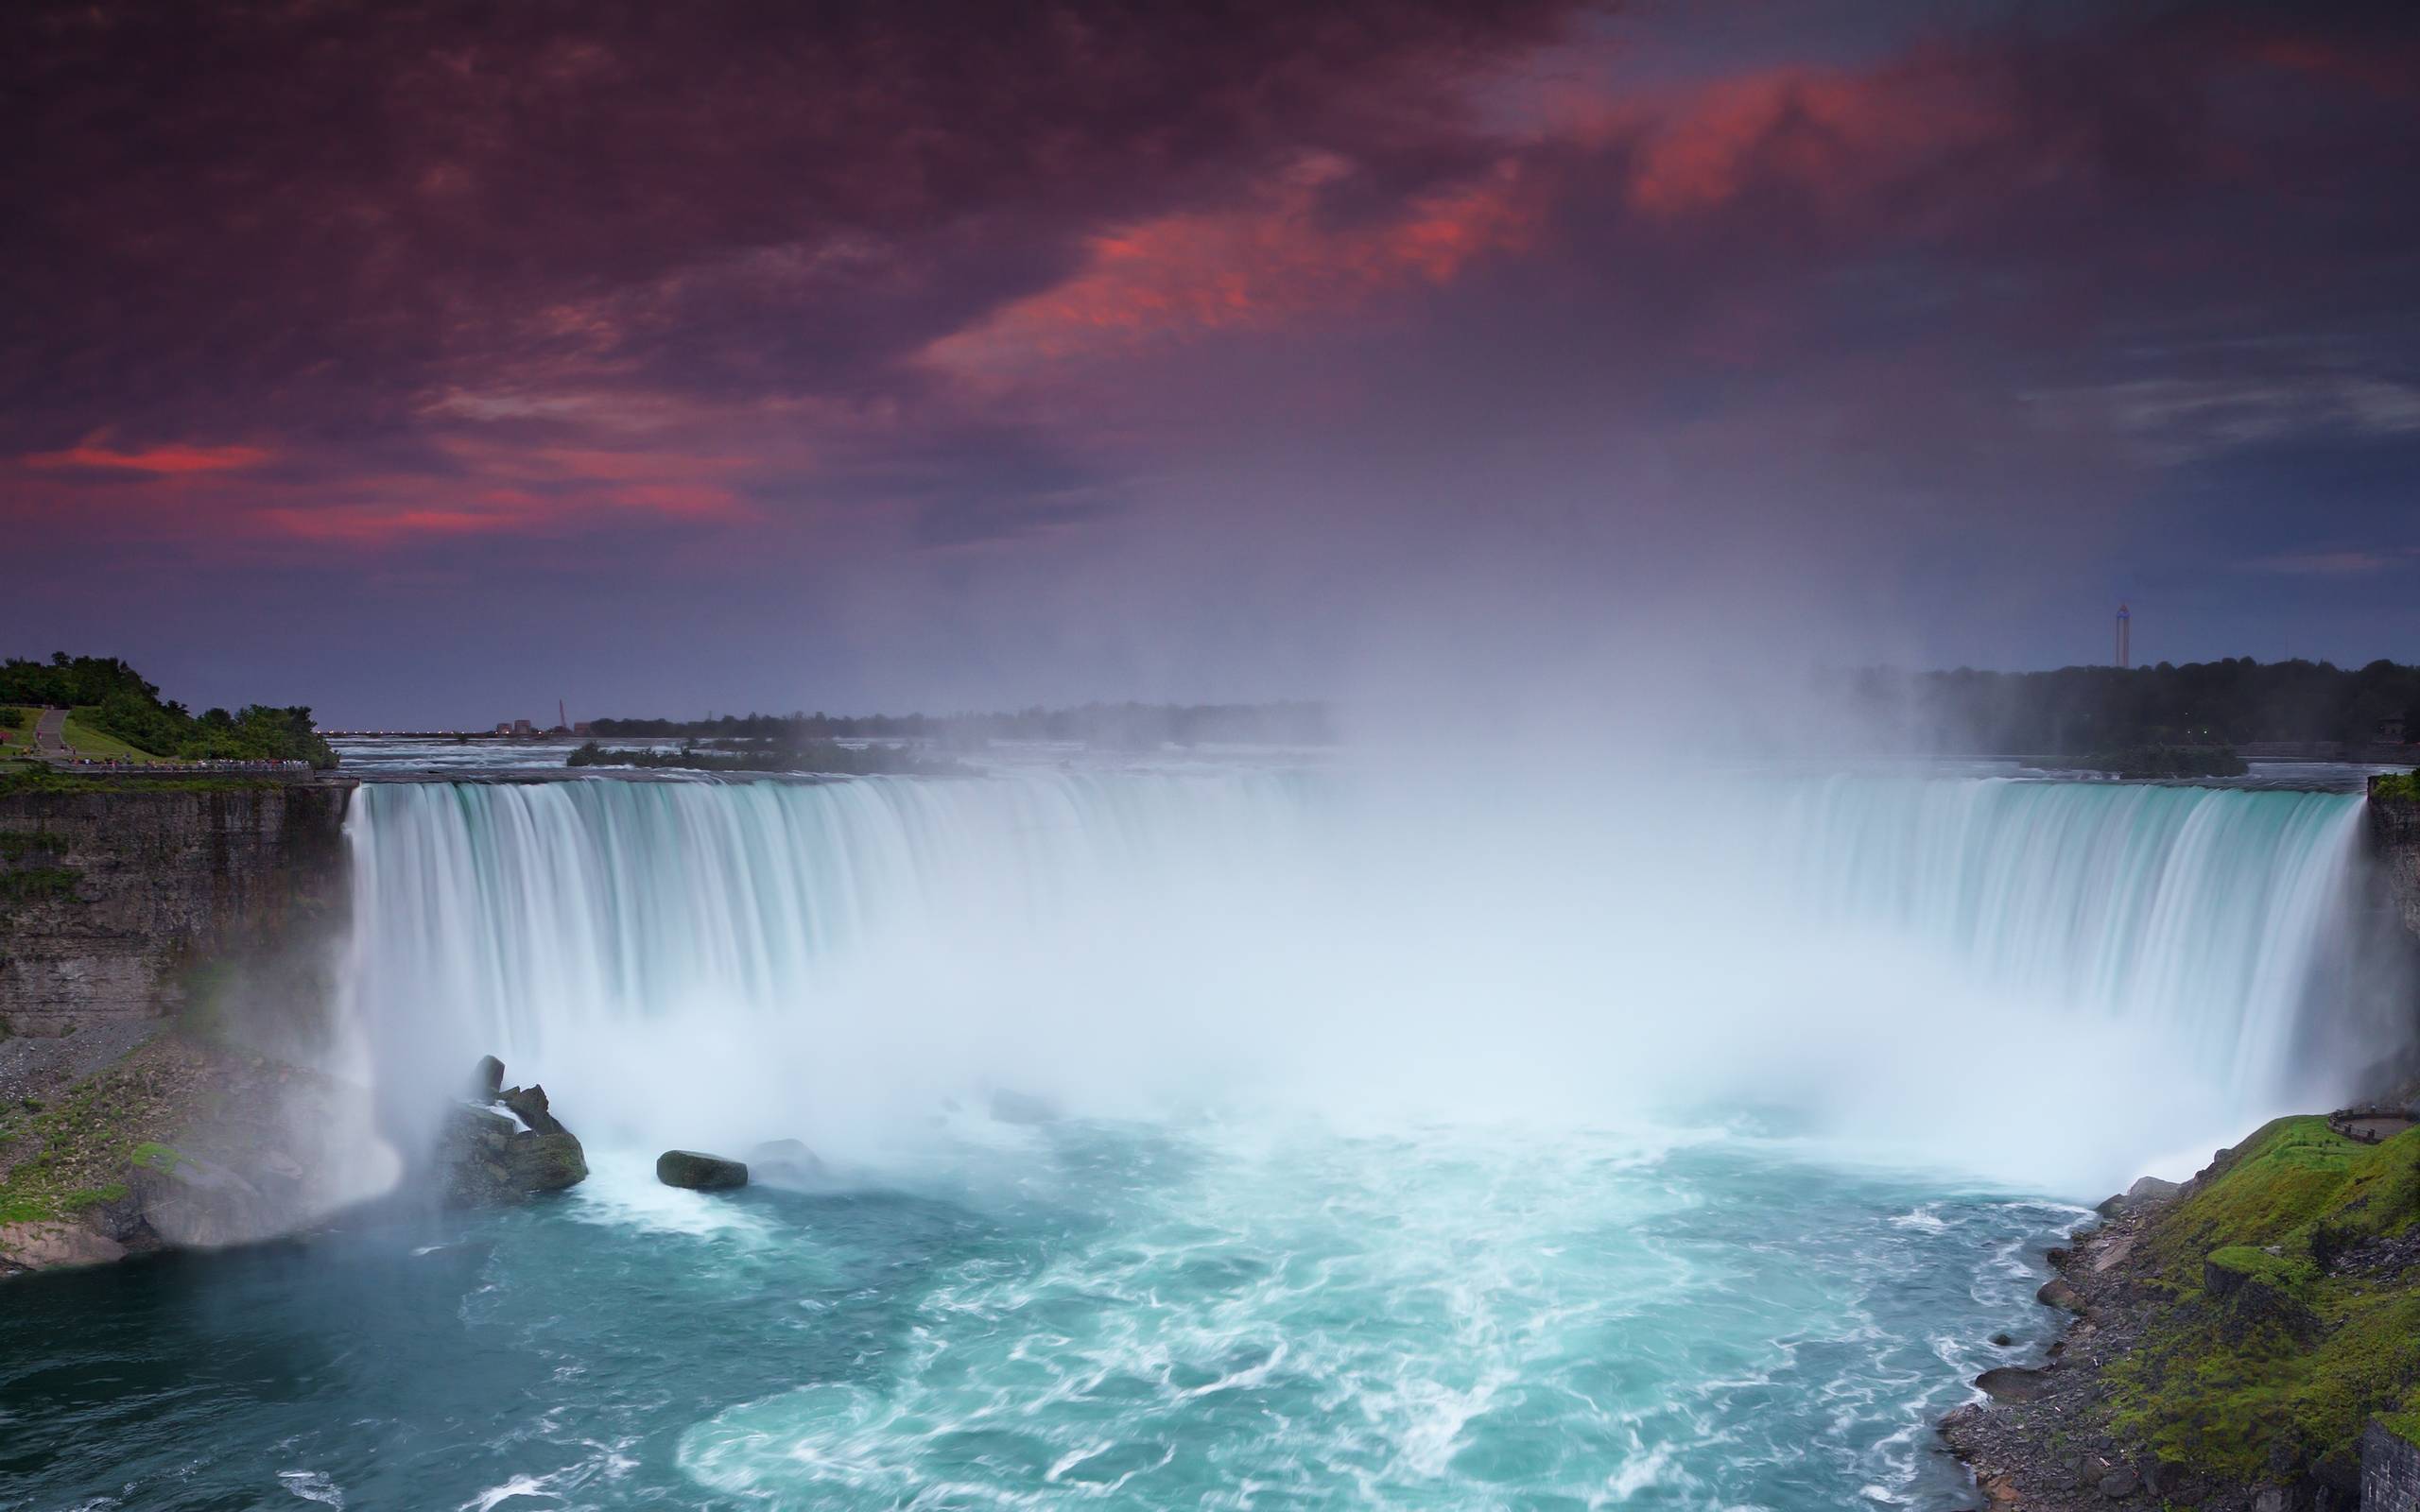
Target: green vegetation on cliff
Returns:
[2399, 786]
[118, 715]
[2286, 1319]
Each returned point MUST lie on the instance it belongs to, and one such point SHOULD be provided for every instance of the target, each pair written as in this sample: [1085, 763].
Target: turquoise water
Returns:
[1080, 1313]
[1364, 1187]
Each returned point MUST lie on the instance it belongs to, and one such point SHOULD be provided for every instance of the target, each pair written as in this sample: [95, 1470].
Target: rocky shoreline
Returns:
[2242, 1343]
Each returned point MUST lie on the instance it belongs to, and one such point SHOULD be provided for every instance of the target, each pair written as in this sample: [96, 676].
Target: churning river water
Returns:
[1356, 1163]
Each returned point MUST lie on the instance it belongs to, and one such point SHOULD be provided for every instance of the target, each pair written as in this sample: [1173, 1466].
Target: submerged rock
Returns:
[699, 1171]
[485, 1157]
[786, 1163]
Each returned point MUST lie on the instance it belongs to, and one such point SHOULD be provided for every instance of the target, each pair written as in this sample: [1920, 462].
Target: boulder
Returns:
[786, 1163]
[487, 1080]
[528, 1103]
[2057, 1292]
[699, 1172]
[47, 1246]
[2011, 1382]
[485, 1157]
[196, 1204]
[2150, 1189]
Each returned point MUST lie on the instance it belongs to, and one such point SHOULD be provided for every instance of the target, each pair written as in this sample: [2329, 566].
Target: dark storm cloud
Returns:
[327, 209]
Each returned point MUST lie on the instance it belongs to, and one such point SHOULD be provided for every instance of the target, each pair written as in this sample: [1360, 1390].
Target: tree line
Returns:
[2228, 702]
[1109, 725]
[110, 697]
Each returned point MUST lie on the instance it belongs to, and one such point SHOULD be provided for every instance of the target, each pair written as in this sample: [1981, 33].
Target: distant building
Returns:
[2392, 727]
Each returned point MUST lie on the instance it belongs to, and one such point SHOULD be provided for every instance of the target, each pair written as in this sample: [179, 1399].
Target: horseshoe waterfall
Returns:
[1242, 1137]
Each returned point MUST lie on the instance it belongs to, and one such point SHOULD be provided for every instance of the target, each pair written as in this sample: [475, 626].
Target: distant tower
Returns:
[2125, 637]
[562, 716]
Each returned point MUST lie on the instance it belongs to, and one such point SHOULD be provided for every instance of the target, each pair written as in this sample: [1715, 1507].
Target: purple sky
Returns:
[427, 362]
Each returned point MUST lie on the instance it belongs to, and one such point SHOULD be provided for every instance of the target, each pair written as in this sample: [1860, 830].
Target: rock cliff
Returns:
[109, 896]
[2394, 838]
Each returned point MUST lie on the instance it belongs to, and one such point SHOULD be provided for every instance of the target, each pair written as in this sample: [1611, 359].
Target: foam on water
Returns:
[1228, 1140]
[708, 963]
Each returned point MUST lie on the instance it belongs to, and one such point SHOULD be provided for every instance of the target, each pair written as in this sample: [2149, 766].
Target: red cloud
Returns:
[1268, 263]
[161, 461]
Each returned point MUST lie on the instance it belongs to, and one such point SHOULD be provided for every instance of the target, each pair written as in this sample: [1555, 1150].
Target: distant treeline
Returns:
[2100, 709]
[112, 698]
[1108, 726]
[827, 757]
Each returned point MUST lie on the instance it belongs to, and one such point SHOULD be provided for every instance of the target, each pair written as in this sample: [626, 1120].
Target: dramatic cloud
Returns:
[1092, 346]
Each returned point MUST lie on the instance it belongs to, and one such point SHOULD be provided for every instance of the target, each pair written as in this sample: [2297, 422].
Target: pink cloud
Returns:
[172, 460]
[1270, 262]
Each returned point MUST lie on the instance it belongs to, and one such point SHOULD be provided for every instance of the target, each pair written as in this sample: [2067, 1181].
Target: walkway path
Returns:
[50, 735]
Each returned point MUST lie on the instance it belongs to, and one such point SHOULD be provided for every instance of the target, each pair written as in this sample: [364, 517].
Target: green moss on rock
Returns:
[2265, 1358]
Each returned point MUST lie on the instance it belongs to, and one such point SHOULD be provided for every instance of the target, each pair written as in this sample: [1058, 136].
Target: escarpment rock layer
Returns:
[111, 896]
[2394, 839]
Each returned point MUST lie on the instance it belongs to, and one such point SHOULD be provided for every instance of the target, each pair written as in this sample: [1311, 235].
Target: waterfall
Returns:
[2199, 912]
[1860, 944]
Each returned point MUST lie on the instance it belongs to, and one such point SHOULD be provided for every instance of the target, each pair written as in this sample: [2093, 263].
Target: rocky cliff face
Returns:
[2394, 834]
[109, 898]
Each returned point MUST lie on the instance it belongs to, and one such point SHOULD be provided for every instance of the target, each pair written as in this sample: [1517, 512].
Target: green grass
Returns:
[27, 777]
[156, 1155]
[17, 726]
[2303, 1358]
[86, 741]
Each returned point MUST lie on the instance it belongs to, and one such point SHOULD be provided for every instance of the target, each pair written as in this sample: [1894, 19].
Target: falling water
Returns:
[1651, 1142]
[1136, 928]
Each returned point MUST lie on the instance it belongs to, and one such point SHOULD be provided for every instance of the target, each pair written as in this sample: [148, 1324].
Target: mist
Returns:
[1909, 971]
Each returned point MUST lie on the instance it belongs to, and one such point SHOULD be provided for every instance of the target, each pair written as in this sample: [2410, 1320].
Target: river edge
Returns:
[2283, 1381]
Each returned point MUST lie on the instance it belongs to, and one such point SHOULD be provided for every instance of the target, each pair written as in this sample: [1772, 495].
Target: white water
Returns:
[1488, 1142]
[2057, 985]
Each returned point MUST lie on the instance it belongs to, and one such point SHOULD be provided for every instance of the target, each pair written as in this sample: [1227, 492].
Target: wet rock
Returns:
[54, 1246]
[786, 1163]
[2011, 1382]
[528, 1103]
[2119, 1484]
[487, 1081]
[699, 1171]
[2002, 1340]
[197, 1204]
[485, 1157]
[2057, 1292]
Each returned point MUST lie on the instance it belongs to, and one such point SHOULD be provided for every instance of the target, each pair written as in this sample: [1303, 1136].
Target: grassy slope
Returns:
[16, 735]
[2297, 1356]
[85, 741]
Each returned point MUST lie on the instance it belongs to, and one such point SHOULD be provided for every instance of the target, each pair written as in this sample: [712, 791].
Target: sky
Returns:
[427, 363]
